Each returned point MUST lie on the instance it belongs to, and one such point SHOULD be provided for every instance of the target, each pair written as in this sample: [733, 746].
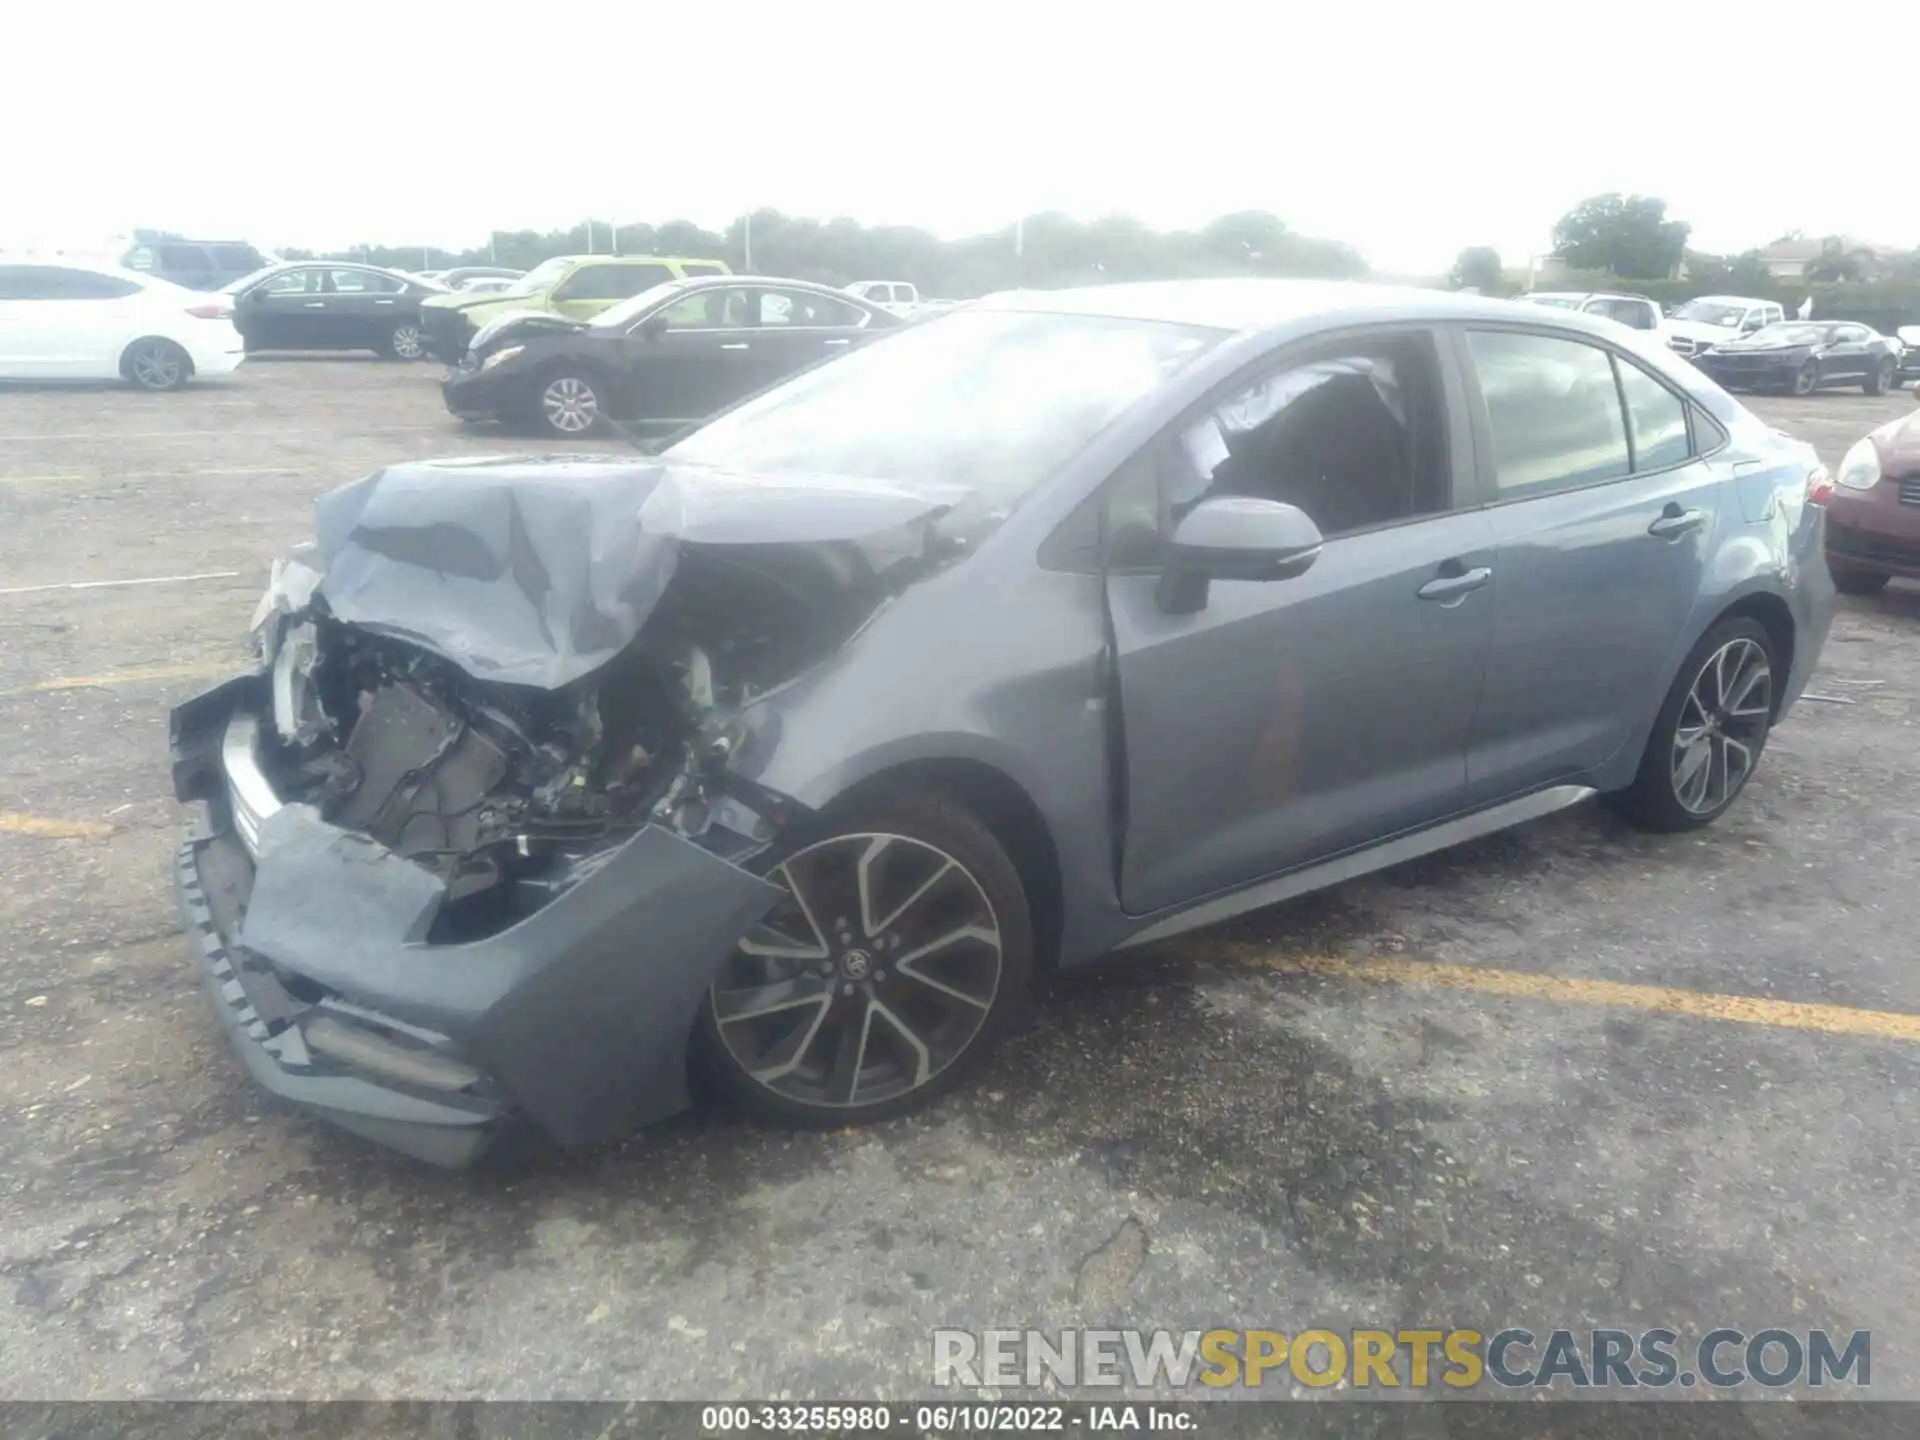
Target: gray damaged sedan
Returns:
[1051, 626]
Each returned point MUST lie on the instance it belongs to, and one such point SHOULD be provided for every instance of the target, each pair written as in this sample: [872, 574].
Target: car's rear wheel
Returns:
[404, 342]
[1880, 379]
[1707, 738]
[1806, 379]
[570, 404]
[156, 364]
[902, 950]
[1860, 582]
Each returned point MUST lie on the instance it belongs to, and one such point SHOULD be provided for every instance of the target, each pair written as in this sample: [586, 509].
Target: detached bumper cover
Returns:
[314, 954]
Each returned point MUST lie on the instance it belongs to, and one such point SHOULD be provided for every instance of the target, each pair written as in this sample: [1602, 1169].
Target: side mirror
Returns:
[1234, 537]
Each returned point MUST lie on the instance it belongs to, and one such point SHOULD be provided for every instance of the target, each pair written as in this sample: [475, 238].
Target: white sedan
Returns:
[68, 319]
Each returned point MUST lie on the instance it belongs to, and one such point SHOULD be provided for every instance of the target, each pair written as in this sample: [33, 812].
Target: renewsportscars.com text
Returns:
[1513, 1358]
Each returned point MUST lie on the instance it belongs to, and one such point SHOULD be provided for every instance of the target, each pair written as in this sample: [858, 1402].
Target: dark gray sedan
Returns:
[1054, 625]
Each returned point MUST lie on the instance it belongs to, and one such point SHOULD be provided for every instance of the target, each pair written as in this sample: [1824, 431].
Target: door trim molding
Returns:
[1355, 863]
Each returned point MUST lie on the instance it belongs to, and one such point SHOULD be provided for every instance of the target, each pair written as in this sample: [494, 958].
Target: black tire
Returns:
[1859, 582]
[1806, 379]
[939, 1019]
[563, 399]
[156, 364]
[1662, 797]
[1880, 379]
[404, 342]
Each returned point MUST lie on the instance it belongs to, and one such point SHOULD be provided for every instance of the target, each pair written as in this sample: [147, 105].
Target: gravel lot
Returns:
[1217, 1135]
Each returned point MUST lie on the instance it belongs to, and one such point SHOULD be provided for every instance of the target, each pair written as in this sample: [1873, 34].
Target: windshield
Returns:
[541, 277]
[993, 401]
[1791, 334]
[1558, 302]
[623, 313]
[1711, 312]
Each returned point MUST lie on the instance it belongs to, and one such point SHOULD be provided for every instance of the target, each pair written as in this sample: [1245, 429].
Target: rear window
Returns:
[238, 257]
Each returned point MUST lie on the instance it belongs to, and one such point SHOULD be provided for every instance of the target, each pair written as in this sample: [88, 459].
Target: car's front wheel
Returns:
[1708, 736]
[1880, 379]
[1807, 379]
[899, 954]
[570, 404]
[156, 364]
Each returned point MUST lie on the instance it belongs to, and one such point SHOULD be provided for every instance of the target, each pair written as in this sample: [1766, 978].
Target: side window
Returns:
[24, 282]
[612, 282]
[799, 308]
[360, 282]
[721, 308]
[1354, 437]
[1656, 419]
[1849, 335]
[90, 285]
[1126, 514]
[291, 282]
[1553, 410]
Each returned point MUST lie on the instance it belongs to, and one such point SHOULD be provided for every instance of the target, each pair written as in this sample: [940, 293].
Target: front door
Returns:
[1289, 720]
[1846, 355]
[703, 358]
[1603, 518]
[285, 311]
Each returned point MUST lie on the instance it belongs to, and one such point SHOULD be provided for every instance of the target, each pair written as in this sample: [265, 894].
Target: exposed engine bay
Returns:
[483, 783]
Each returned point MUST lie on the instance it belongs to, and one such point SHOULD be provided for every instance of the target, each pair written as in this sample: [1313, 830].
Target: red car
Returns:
[1873, 519]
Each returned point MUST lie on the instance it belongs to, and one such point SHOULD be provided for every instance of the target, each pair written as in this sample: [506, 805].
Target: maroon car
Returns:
[1873, 519]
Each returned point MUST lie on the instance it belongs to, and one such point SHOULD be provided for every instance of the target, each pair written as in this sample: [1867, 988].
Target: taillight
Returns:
[1819, 486]
[210, 312]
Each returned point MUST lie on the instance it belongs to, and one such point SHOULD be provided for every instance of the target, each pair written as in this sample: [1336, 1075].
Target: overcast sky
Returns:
[1406, 130]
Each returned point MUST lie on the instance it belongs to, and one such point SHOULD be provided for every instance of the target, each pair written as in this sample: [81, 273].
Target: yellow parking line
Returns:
[1740, 1009]
[133, 675]
[16, 823]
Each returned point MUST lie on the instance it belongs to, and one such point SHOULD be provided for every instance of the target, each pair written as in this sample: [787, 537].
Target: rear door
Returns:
[1289, 720]
[360, 308]
[799, 328]
[1603, 518]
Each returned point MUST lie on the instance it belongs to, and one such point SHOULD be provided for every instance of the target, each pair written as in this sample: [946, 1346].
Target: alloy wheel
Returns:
[406, 342]
[570, 405]
[157, 367]
[1806, 379]
[1721, 726]
[872, 976]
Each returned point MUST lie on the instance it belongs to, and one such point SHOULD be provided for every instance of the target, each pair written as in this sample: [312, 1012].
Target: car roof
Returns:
[641, 259]
[1735, 300]
[1259, 305]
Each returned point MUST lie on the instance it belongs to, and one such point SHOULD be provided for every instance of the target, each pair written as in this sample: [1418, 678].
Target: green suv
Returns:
[578, 287]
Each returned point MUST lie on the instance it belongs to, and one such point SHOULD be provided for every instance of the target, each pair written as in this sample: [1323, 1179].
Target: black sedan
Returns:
[331, 305]
[668, 357]
[1803, 355]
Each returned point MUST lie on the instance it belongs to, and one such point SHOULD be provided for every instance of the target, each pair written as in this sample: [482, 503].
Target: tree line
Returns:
[1044, 251]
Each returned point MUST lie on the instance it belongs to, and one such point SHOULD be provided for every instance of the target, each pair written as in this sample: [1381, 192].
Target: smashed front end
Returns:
[469, 842]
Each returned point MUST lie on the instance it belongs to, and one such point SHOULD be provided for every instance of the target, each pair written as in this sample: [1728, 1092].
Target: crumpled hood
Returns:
[518, 324]
[539, 570]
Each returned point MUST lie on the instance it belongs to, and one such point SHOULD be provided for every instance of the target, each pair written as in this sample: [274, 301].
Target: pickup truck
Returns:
[1715, 319]
[901, 297]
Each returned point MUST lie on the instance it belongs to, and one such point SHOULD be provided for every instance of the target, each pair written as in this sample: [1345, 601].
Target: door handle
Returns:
[316, 304]
[1675, 522]
[736, 345]
[1451, 589]
[839, 342]
[383, 302]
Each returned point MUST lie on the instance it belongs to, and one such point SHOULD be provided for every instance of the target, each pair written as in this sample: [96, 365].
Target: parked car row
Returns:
[77, 320]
